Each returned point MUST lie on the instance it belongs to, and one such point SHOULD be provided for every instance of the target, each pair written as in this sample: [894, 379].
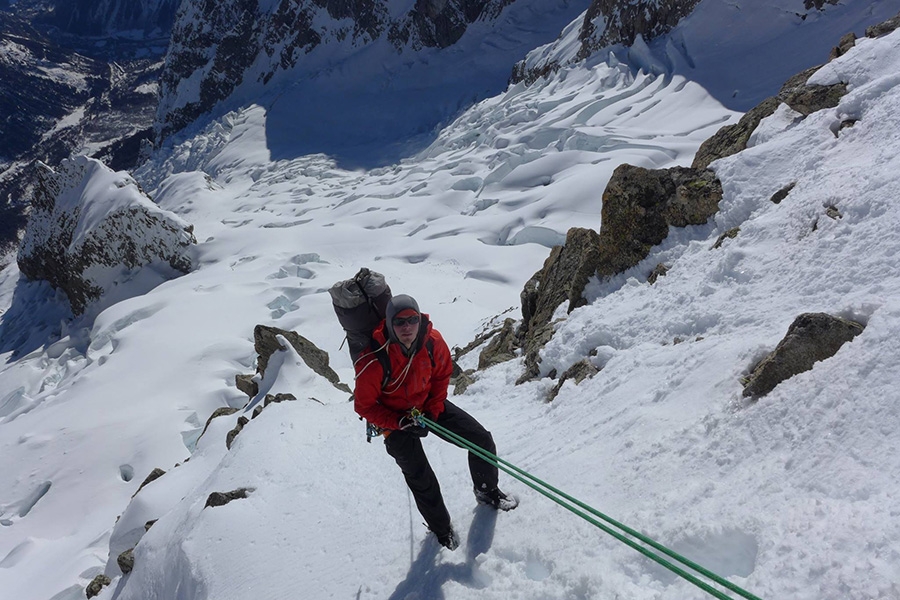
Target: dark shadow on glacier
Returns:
[358, 127]
[427, 574]
[741, 70]
[35, 318]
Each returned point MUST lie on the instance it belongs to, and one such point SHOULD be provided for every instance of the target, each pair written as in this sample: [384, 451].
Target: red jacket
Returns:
[423, 386]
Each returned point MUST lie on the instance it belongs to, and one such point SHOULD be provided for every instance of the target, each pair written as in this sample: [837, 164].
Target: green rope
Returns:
[557, 496]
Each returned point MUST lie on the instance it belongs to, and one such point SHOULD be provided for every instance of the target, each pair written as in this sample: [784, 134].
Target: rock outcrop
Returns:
[238, 427]
[96, 585]
[609, 22]
[806, 98]
[501, 348]
[562, 279]
[731, 139]
[155, 474]
[797, 93]
[92, 229]
[884, 28]
[126, 561]
[640, 205]
[266, 343]
[223, 498]
[811, 338]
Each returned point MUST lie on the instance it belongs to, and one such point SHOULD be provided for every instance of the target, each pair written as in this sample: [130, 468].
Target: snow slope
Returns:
[736, 50]
[792, 496]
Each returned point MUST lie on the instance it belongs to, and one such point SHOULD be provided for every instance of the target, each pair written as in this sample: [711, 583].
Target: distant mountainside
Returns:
[112, 17]
[75, 77]
[382, 54]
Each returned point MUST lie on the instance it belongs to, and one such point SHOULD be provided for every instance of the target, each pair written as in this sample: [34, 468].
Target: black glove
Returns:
[410, 425]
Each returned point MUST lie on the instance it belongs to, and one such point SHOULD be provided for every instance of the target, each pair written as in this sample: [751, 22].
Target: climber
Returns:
[415, 381]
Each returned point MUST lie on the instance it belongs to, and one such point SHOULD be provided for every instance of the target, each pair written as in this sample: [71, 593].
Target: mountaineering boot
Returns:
[496, 498]
[448, 540]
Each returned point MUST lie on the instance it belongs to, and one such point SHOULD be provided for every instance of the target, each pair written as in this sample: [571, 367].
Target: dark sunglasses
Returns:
[401, 321]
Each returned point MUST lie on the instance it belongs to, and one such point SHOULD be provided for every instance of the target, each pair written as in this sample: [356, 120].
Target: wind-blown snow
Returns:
[791, 496]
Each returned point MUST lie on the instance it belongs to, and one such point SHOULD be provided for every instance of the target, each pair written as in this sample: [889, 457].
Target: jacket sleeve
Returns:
[440, 377]
[365, 397]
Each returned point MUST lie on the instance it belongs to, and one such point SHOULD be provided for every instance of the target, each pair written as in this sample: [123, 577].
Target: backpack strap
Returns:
[429, 346]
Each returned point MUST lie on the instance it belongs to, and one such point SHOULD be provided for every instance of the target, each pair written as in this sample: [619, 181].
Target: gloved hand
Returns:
[410, 425]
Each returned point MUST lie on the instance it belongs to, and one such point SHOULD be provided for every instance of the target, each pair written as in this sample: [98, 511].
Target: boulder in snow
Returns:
[229, 438]
[155, 474]
[272, 399]
[92, 230]
[812, 337]
[223, 498]
[658, 271]
[96, 585]
[222, 411]
[126, 561]
[639, 206]
[501, 348]
[796, 92]
[807, 98]
[730, 234]
[846, 42]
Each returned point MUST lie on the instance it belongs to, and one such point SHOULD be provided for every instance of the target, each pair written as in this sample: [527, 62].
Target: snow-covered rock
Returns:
[92, 230]
[605, 23]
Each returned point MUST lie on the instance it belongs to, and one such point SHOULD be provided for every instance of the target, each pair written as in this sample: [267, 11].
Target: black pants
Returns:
[406, 449]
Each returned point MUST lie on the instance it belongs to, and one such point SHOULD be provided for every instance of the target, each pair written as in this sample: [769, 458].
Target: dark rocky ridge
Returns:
[218, 41]
[625, 20]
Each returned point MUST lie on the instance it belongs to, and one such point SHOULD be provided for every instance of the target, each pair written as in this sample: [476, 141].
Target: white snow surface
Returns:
[794, 495]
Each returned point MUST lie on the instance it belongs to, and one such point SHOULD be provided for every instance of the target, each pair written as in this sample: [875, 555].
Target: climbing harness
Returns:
[585, 511]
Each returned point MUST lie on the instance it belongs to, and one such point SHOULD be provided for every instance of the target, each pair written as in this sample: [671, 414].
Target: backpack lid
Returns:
[363, 288]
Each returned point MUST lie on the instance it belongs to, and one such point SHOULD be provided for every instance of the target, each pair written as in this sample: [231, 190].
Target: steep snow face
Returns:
[715, 45]
[353, 77]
